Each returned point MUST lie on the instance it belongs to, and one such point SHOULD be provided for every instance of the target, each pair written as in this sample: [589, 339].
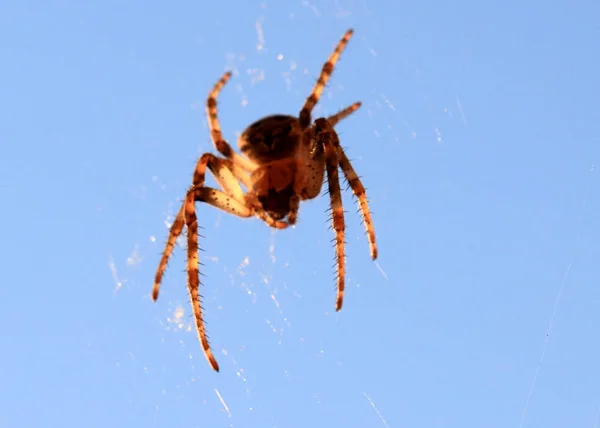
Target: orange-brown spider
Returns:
[283, 162]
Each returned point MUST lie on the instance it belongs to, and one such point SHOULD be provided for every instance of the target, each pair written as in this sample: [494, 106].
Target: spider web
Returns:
[411, 345]
[475, 141]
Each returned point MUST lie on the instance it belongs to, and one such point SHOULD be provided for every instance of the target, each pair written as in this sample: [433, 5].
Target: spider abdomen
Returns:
[270, 138]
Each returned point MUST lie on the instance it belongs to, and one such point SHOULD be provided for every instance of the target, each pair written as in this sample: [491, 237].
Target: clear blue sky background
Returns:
[477, 142]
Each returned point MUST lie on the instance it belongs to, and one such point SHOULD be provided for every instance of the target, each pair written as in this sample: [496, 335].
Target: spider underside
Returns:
[284, 160]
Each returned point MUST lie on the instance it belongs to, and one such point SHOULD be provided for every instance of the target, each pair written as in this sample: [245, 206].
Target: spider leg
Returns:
[231, 200]
[361, 196]
[174, 232]
[225, 173]
[193, 275]
[253, 203]
[294, 207]
[226, 203]
[343, 114]
[330, 142]
[326, 71]
[221, 145]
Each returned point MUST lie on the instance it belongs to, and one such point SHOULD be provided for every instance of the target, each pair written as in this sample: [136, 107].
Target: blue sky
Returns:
[476, 142]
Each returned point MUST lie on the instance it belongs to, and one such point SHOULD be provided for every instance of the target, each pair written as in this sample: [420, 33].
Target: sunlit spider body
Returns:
[284, 161]
[290, 164]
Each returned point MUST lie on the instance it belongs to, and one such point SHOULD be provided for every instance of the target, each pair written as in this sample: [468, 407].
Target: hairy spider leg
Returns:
[174, 232]
[329, 139]
[221, 170]
[294, 208]
[361, 196]
[231, 201]
[343, 114]
[225, 149]
[313, 98]
[214, 126]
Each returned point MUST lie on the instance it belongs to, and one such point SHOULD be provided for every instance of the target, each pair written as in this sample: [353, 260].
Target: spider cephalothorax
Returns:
[284, 162]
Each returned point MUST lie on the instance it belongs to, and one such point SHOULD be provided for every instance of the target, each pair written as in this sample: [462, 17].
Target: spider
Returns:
[283, 162]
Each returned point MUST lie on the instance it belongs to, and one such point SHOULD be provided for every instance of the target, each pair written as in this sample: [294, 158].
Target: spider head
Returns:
[277, 202]
[321, 126]
[273, 186]
[322, 131]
